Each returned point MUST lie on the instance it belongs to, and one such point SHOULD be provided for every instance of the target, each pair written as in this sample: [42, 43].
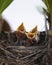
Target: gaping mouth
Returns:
[31, 34]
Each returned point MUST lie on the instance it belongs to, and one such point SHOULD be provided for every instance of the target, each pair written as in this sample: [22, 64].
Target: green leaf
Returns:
[4, 4]
[45, 11]
[48, 4]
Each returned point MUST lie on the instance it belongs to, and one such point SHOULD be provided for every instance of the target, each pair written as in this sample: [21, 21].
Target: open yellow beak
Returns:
[21, 28]
[32, 34]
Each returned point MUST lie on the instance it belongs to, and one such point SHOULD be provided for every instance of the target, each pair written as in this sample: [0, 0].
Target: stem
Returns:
[1, 22]
[46, 27]
[51, 22]
[50, 36]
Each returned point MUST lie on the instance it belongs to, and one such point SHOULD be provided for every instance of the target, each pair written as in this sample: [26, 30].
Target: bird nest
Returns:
[13, 54]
